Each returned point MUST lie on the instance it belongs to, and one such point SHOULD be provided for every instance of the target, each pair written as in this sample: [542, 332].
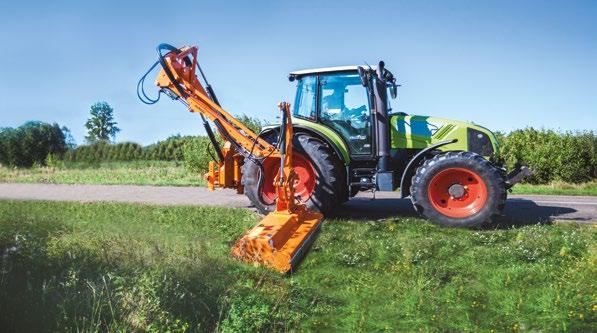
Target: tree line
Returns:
[554, 156]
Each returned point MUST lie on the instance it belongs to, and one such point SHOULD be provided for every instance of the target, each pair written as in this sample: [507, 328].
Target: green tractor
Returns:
[348, 139]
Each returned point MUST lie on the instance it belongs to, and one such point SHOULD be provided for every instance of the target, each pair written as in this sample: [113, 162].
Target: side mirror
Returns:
[363, 76]
[393, 90]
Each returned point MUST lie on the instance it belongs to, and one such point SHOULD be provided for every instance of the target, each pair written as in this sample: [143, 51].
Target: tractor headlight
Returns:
[479, 142]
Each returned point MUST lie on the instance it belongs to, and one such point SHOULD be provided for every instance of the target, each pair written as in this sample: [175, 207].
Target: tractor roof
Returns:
[325, 70]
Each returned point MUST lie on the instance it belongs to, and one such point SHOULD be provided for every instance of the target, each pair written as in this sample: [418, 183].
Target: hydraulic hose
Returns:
[141, 89]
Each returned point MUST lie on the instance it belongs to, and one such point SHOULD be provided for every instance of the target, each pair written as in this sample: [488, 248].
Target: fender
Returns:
[342, 155]
[412, 165]
[341, 152]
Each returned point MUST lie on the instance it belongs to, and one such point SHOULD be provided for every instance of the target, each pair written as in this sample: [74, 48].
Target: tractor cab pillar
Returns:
[377, 82]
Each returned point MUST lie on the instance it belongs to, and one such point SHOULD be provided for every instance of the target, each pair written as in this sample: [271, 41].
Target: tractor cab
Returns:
[352, 104]
[342, 99]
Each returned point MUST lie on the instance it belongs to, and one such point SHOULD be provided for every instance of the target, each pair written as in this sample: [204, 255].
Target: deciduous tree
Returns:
[101, 126]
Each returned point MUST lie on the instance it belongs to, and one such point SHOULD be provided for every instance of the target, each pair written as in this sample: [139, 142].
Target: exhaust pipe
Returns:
[382, 122]
[384, 177]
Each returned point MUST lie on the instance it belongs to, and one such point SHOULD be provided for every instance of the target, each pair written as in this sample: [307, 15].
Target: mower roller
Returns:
[341, 137]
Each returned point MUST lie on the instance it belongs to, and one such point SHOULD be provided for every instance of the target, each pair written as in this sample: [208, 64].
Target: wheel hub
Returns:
[303, 186]
[456, 191]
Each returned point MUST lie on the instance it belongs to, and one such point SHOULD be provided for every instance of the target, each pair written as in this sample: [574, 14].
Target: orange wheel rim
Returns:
[303, 188]
[457, 192]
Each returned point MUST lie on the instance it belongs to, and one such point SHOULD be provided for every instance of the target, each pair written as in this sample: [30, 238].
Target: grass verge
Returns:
[557, 188]
[109, 173]
[122, 267]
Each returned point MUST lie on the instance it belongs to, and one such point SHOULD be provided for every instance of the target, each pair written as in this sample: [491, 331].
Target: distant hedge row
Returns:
[568, 156]
[170, 149]
[167, 150]
[31, 143]
[191, 149]
[554, 156]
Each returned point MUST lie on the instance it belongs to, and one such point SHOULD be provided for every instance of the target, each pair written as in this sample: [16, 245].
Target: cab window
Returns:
[306, 95]
[344, 106]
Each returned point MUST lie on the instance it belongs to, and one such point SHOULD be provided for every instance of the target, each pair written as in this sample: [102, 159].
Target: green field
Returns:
[174, 173]
[120, 267]
[110, 173]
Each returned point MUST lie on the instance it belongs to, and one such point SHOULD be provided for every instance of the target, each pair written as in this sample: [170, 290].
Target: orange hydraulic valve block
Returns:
[283, 237]
[226, 173]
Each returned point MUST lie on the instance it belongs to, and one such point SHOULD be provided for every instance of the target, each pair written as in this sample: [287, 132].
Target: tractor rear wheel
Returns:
[319, 176]
[458, 189]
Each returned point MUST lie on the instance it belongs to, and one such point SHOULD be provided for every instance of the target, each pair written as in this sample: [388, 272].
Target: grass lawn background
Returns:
[103, 266]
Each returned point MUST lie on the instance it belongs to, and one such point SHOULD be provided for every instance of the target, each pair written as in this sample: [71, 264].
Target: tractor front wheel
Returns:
[458, 189]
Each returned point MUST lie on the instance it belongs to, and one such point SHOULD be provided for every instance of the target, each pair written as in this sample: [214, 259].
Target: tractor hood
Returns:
[419, 132]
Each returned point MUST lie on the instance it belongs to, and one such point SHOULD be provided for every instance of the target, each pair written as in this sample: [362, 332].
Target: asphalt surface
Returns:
[520, 209]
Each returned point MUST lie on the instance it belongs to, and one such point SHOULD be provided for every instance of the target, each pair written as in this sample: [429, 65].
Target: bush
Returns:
[170, 149]
[254, 124]
[31, 143]
[193, 150]
[195, 154]
[103, 151]
[52, 161]
[569, 156]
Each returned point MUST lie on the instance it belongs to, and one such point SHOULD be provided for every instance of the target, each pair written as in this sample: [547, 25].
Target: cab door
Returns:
[344, 106]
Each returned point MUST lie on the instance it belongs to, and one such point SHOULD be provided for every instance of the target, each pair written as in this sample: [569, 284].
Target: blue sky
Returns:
[502, 64]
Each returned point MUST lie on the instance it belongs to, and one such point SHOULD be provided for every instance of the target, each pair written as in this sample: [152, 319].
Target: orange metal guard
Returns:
[281, 239]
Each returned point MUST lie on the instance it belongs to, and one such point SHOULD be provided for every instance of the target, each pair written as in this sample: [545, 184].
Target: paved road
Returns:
[520, 209]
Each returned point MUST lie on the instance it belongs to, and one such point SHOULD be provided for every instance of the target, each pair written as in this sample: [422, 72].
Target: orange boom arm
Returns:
[178, 76]
[281, 239]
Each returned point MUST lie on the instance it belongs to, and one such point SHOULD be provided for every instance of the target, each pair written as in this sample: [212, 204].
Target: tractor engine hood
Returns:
[419, 132]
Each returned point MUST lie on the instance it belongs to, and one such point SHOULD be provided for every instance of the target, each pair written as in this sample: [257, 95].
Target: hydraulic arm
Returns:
[282, 237]
[178, 79]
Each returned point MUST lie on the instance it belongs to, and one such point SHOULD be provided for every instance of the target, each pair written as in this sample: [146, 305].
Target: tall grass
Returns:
[109, 173]
[120, 267]
[557, 188]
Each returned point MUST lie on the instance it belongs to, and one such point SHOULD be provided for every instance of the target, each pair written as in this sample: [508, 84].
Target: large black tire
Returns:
[486, 172]
[328, 176]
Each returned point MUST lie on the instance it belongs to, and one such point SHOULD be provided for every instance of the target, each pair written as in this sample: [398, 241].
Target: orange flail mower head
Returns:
[280, 240]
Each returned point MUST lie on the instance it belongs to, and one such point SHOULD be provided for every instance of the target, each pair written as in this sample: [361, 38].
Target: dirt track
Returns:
[520, 209]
